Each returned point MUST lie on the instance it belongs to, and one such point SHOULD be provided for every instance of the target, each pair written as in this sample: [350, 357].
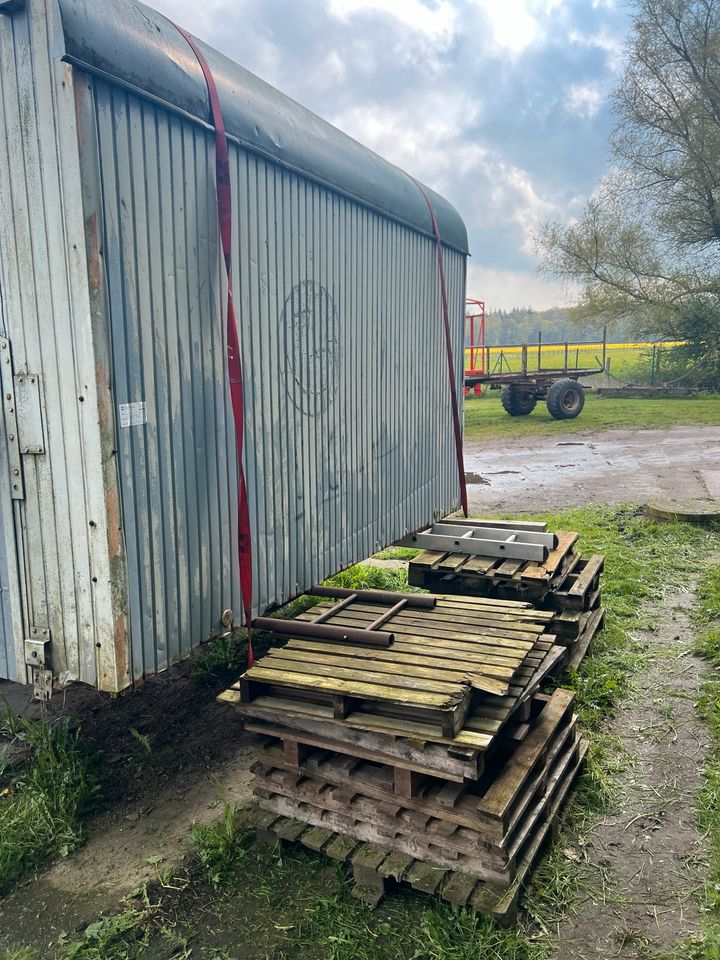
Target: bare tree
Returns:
[647, 246]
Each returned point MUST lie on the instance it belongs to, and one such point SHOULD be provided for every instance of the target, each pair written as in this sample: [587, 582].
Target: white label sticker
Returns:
[133, 414]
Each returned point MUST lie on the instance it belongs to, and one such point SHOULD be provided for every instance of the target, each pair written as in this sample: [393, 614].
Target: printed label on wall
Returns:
[133, 414]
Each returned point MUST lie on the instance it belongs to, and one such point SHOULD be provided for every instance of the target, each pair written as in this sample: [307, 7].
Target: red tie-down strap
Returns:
[235, 377]
[448, 347]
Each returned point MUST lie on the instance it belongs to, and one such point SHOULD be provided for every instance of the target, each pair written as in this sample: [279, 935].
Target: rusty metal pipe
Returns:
[335, 609]
[324, 632]
[421, 601]
[384, 617]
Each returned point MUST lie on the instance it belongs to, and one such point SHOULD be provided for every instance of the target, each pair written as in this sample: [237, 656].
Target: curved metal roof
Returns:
[133, 44]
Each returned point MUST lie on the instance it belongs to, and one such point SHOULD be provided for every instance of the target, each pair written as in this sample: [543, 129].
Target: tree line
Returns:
[645, 252]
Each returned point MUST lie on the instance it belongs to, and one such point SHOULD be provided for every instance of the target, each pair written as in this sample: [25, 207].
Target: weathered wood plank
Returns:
[428, 558]
[404, 665]
[354, 750]
[511, 628]
[337, 668]
[500, 796]
[371, 691]
[592, 568]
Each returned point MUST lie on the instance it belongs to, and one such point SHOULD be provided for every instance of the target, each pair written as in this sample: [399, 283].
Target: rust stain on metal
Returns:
[112, 505]
[103, 395]
[121, 645]
[94, 253]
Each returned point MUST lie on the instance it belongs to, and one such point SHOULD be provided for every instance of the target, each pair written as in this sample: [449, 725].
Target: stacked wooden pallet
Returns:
[432, 760]
[565, 582]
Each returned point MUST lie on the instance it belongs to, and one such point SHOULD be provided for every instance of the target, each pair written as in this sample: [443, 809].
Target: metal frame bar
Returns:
[323, 631]
[465, 531]
[421, 601]
[488, 542]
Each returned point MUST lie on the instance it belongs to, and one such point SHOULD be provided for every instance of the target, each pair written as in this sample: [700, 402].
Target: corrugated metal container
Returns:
[118, 473]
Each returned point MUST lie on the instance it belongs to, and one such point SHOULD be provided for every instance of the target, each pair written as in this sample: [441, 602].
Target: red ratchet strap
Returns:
[224, 207]
[448, 348]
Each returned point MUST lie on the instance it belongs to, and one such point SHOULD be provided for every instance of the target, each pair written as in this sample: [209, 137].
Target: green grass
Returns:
[364, 577]
[300, 908]
[220, 845]
[220, 659]
[123, 936]
[485, 419]
[46, 787]
[397, 553]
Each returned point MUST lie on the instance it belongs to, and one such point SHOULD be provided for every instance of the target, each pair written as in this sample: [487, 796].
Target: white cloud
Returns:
[433, 139]
[427, 136]
[201, 19]
[436, 21]
[611, 44]
[584, 99]
[516, 193]
[505, 289]
[517, 24]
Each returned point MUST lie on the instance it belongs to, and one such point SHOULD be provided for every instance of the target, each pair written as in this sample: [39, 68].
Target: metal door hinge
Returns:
[28, 408]
[37, 659]
[17, 487]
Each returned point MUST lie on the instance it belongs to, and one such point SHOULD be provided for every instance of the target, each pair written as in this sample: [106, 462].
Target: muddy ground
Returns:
[642, 866]
[543, 473]
[170, 756]
[174, 754]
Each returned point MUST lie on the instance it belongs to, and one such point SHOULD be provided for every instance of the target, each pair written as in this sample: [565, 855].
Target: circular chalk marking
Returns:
[692, 509]
[311, 326]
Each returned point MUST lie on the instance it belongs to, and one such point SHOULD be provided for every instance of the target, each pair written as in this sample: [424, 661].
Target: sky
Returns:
[499, 105]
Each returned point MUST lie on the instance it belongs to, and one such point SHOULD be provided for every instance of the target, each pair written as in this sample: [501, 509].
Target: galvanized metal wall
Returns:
[59, 527]
[348, 418]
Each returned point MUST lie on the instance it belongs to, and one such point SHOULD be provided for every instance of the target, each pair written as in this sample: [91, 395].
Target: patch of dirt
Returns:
[613, 466]
[645, 862]
[186, 756]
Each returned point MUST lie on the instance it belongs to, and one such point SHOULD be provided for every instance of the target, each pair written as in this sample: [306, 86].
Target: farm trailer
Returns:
[521, 389]
[118, 466]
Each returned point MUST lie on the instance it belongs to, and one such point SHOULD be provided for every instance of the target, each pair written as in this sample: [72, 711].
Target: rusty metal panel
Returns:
[348, 427]
[55, 536]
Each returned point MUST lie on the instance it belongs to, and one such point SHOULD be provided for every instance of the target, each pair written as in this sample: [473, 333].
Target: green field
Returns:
[485, 418]
[630, 363]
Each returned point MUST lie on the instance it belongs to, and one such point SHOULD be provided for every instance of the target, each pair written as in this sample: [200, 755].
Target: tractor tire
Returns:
[565, 399]
[517, 402]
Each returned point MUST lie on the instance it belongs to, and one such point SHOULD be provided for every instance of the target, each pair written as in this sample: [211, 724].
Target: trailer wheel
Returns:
[565, 399]
[517, 402]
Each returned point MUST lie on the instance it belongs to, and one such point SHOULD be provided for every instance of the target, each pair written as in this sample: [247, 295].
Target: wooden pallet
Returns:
[488, 805]
[376, 868]
[578, 650]
[406, 743]
[438, 663]
[580, 588]
[456, 572]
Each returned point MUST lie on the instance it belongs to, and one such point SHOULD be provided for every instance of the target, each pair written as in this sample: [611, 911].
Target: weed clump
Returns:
[46, 787]
[221, 845]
